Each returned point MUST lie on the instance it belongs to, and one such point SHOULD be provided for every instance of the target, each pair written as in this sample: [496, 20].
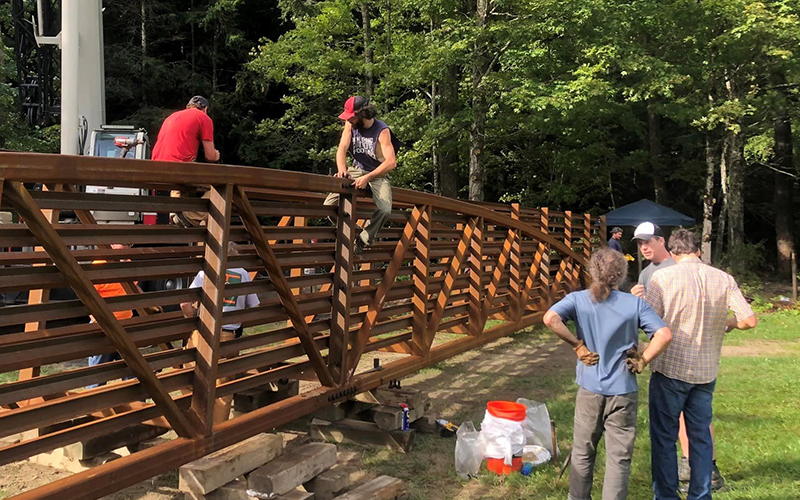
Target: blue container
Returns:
[406, 423]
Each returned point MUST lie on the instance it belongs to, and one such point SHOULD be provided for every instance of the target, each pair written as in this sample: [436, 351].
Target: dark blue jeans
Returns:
[668, 398]
[103, 358]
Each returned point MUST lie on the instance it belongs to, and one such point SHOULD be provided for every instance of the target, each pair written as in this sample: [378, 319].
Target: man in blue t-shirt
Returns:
[613, 242]
[607, 324]
[372, 146]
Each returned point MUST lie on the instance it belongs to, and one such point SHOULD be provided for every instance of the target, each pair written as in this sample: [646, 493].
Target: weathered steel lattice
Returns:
[441, 265]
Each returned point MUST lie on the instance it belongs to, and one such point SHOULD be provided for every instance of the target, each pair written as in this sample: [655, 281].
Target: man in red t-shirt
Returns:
[183, 131]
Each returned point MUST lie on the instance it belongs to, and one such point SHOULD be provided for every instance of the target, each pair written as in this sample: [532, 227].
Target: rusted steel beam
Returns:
[451, 277]
[81, 377]
[475, 266]
[421, 277]
[497, 275]
[380, 294]
[288, 300]
[49, 239]
[35, 297]
[138, 253]
[71, 200]
[346, 234]
[29, 167]
[211, 302]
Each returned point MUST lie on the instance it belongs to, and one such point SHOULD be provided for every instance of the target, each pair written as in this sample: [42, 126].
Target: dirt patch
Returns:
[756, 348]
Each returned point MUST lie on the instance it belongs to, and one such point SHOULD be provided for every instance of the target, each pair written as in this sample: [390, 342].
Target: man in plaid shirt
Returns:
[693, 299]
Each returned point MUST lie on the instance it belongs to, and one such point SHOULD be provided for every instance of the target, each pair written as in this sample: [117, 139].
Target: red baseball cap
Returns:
[352, 105]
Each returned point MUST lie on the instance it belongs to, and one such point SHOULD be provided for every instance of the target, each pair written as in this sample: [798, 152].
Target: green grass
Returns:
[756, 417]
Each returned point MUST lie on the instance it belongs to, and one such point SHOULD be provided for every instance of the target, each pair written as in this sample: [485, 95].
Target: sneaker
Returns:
[684, 471]
[358, 247]
[717, 481]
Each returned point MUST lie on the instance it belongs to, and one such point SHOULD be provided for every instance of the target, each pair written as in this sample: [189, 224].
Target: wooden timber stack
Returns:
[440, 265]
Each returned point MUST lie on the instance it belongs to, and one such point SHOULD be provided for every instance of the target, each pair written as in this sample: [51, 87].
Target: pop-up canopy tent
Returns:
[647, 211]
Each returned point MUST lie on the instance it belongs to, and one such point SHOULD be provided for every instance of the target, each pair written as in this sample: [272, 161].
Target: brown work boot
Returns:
[717, 481]
[684, 471]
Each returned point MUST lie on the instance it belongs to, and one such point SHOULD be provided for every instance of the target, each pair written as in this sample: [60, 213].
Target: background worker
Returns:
[107, 290]
[613, 242]
[373, 146]
[653, 247]
[693, 299]
[183, 132]
[179, 140]
[222, 406]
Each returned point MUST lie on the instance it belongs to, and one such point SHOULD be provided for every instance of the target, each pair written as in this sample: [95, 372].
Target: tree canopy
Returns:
[586, 105]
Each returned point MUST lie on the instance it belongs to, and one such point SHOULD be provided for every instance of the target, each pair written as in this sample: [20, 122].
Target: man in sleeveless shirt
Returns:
[372, 147]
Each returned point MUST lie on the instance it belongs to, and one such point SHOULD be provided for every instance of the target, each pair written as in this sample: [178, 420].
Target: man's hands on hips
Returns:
[638, 290]
[586, 356]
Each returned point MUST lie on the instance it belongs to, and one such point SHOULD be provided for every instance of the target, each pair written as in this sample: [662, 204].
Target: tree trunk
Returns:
[144, 30]
[144, 47]
[708, 199]
[723, 213]
[654, 153]
[477, 130]
[784, 190]
[214, 49]
[368, 59]
[389, 47]
[736, 179]
[193, 43]
[736, 191]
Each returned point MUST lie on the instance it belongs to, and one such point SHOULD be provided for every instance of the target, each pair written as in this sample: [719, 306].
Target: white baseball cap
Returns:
[647, 230]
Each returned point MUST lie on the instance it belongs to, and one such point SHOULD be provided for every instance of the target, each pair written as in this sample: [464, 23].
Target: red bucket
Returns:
[507, 410]
[498, 465]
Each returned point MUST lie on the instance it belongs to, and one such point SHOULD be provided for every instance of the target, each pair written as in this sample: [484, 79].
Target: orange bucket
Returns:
[507, 410]
[498, 465]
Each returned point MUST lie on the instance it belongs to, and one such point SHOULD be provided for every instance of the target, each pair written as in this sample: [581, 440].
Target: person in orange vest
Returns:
[107, 290]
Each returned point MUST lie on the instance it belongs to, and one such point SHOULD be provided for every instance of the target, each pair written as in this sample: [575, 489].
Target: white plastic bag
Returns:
[537, 424]
[469, 450]
[502, 438]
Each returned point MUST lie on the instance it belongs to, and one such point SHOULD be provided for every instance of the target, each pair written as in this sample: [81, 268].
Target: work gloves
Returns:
[635, 361]
[586, 356]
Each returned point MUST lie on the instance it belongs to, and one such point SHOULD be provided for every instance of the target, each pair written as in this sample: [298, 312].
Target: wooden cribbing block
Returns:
[219, 468]
[127, 436]
[414, 398]
[329, 483]
[253, 399]
[294, 468]
[380, 488]
[391, 417]
[345, 409]
[297, 495]
[237, 490]
[364, 433]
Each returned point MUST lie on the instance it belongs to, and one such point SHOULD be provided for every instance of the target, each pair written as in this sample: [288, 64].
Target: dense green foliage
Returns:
[587, 104]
